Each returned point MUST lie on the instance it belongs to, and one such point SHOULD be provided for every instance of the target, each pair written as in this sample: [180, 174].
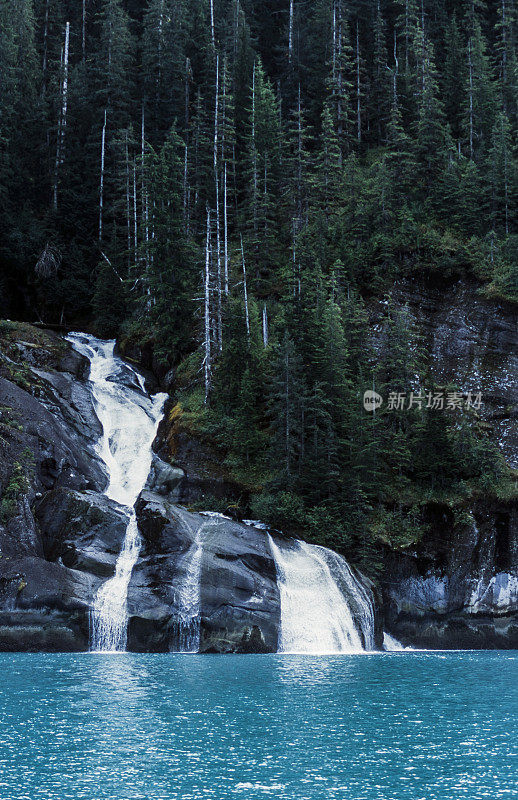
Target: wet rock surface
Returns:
[83, 531]
[60, 538]
[239, 604]
[459, 588]
[471, 341]
[48, 431]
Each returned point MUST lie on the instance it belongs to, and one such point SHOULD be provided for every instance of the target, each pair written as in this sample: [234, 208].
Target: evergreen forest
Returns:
[240, 186]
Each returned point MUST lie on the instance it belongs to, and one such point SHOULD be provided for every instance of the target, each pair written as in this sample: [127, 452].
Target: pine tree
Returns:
[109, 302]
[247, 439]
[328, 161]
[287, 399]
[169, 279]
[505, 27]
[400, 158]
[480, 96]
[397, 376]
[502, 171]
[113, 63]
[262, 171]
[453, 84]
[332, 369]
[340, 82]
[430, 131]
[381, 93]
[163, 62]
[22, 138]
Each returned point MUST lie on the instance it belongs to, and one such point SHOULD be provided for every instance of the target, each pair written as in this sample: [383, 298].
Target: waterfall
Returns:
[324, 607]
[129, 419]
[392, 645]
[188, 627]
[188, 590]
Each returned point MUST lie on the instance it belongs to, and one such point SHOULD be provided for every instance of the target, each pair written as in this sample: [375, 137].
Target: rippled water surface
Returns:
[398, 726]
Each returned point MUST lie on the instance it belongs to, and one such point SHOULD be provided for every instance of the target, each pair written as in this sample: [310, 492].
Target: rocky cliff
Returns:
[48, 431]
[239, 600]
[60, 535]
[459, 586]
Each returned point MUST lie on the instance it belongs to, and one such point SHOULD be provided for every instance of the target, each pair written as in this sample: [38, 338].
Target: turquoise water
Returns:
[397, 726]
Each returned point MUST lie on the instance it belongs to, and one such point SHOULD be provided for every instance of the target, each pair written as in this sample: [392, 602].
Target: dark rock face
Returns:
[60, 541]
[83, 531]
[52, 564]
[45, 587]
[203, 476]
[239, 603]
[62, 536]
[43, 606]
[459, 589]
[165, 480]
[60, 437]
[471, 341]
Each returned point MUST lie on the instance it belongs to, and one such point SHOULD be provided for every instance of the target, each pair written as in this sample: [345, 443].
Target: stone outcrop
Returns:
[471, 341]
[459, 587]
[239, 599]
[60, 536]
[48, 432]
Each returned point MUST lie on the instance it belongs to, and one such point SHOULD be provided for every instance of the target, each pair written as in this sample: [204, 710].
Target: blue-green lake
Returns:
[395, 726]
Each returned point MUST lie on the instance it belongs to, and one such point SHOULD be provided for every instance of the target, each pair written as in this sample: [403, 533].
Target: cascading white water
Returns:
[392, 645]
[324, 608]
[188, 591]
[129, 419]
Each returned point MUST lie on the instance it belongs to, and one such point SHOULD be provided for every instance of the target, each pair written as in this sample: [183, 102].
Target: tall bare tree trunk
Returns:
[60, 146]
[470, 64]
[218, 226]
[504, 54]
[128, 205]
[299, 159]
[395, 72]
[207, 342]
[334, 41]
[358, 87]
[212, 34]
[265, 326]
[245, 290]
[144, 202]
[135, 211]
[290, 34]
[83, 32]
[45, 47]
[226, 228]
[506, 181]
[159, 47]
[101, 182]
[254, 153]
[186, 151]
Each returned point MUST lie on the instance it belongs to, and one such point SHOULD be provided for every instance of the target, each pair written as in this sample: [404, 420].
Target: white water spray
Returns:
[129, 419]
[188, 590]
[324, 608]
